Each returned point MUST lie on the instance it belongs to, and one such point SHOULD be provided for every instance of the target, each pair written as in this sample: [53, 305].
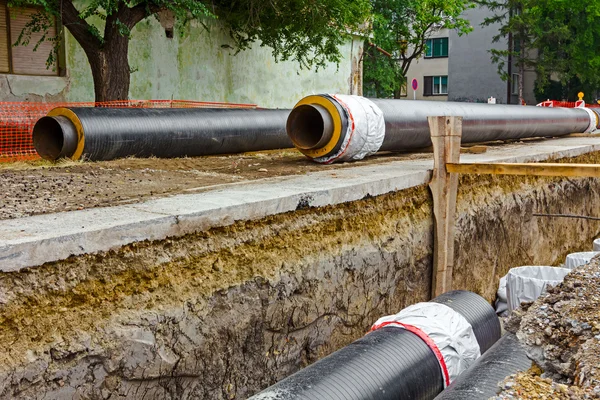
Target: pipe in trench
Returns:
[507, 357]
[388, 363]
[405, 126]
[107, 133]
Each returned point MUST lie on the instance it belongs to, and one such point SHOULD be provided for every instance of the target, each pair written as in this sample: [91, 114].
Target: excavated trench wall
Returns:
[224, 313]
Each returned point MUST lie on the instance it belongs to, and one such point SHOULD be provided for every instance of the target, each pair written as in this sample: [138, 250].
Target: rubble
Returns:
[561, 330]
[529, 386]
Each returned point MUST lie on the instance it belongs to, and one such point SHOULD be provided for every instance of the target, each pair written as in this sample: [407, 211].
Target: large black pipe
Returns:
[386, 364]
[108, 133]
[407, 128]
[508, 356]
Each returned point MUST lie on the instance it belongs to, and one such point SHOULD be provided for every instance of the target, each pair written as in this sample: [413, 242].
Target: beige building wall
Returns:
[428, 67]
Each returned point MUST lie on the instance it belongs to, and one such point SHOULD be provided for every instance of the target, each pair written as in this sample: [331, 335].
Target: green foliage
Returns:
[515, 19]
[565, 37]
[400, 27]
[382, 75]
[307, 31]
[565, 91]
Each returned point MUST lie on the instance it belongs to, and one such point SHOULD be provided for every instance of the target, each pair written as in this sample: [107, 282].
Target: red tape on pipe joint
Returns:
[446, 332]
[428, 341]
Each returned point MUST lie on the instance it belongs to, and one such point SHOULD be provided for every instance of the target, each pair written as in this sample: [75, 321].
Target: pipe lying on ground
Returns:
[481, 380]
[414, 354]
[330, 128]
[108, 133]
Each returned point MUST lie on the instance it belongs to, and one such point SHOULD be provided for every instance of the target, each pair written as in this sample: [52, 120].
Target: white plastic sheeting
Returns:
[593, 120]
[501, 299]
[597, 245]
[448, 329]
[578, 259]
[527, 283]
[366, 130]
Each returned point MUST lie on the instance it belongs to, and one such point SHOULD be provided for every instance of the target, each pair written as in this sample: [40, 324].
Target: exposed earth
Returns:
[39, 187]
[562, 332]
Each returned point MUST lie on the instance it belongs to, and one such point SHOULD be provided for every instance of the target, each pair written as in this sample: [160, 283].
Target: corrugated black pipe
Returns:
[386, 364]
[481, 380]
[108, 133]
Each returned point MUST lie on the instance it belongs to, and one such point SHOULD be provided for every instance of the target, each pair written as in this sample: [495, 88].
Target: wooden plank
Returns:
[24, 60]
[446, 134]
[477, 149]
[533, 169]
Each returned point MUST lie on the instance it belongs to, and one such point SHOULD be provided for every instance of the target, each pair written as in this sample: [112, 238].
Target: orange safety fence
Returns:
[18, 118]
[566, 104]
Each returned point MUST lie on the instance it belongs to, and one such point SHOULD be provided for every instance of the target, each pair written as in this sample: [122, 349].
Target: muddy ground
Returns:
[39, 187]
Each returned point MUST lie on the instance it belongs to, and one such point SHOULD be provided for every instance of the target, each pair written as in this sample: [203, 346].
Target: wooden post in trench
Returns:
[446, 133]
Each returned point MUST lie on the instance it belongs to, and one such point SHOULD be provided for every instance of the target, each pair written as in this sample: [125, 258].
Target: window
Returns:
[435, 85]
[515, 83]
[22, 59]
[436, 48]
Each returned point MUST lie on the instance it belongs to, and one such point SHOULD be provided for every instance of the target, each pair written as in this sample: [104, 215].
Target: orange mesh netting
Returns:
[565, 104]
[17, 120]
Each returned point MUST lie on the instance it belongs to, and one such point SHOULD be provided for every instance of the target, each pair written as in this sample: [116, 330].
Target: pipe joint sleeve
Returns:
[594, 120]
[365, 132]
[446, 331]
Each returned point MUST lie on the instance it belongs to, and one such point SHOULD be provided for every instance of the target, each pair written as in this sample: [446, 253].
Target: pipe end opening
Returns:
[54, 138]
[310, 126]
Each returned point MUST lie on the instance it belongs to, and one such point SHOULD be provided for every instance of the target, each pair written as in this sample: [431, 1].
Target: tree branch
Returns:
[78, 27]
[131, 16]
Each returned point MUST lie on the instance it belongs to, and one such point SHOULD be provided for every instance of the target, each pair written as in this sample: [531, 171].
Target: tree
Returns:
[303, 30]
[567, 36]
[559, 39]
[515, 20]
[400, 29]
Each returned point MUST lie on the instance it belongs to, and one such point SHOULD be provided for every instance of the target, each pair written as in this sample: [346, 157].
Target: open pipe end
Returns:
[55, 138]
[310, 126]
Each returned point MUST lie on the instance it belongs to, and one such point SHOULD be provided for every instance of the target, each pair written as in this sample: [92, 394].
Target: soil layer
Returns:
[224, 313]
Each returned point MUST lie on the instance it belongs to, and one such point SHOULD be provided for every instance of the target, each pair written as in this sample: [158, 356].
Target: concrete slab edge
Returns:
[33, 241]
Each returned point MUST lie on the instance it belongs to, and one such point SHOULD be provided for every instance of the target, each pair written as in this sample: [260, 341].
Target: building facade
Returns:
[465, 71]
[431, 71]
[170, 61]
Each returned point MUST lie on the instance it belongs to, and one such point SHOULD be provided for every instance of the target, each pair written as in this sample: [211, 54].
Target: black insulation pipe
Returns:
[108, 133]
[318, 124]
[406, 121]
[386, 364]
[508, 356]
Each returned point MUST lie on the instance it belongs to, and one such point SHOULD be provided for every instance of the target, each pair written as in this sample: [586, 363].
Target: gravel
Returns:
[561, 330]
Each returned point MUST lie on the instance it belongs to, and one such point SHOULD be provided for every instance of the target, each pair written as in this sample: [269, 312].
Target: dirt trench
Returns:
[225, 313]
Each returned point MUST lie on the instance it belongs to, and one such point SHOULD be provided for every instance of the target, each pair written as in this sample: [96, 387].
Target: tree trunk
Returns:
[108, 57]
[110, 70]
[521, 70]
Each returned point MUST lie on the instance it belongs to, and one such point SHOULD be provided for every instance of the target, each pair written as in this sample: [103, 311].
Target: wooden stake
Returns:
[446, 134]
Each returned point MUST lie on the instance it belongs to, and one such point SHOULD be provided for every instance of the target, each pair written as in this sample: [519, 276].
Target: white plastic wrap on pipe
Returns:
[575, 260]
[501, 300]
[448, 329]
[597, 245]
[524, 284]
[365, 133]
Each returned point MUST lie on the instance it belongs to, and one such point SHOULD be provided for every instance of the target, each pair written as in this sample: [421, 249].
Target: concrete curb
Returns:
[32, 241]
